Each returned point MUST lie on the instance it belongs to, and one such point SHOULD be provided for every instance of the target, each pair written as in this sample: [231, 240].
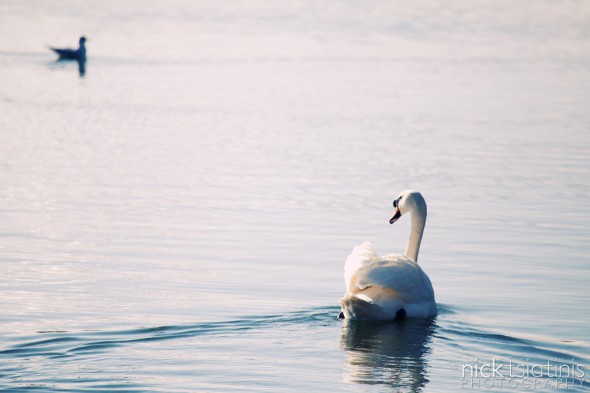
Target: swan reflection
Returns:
[391, 353]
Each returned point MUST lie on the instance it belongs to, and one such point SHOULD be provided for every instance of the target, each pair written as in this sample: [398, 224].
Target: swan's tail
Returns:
[356, 308]
[363, 308]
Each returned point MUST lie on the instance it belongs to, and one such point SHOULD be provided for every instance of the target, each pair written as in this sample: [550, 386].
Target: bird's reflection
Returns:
[81, 67]
[391, 353]
[65, 63]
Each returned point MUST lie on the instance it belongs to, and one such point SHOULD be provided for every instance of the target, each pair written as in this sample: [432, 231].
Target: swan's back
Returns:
[379, 287]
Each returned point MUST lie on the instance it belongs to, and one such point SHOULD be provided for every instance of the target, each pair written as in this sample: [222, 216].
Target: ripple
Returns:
[377, 352]
[69, 343]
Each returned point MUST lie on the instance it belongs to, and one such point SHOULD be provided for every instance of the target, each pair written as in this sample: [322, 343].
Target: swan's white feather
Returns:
[359, 258]
[400, 274]
[377, 287]
[392, 286]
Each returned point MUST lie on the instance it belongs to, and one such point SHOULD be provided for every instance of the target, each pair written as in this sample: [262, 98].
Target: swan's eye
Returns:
[396, 202]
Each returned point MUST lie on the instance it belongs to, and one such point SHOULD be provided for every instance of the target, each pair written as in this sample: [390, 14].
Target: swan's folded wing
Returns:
[399, 274]
[360, 257]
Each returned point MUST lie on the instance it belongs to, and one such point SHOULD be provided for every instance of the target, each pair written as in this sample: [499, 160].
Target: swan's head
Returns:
[407, 201]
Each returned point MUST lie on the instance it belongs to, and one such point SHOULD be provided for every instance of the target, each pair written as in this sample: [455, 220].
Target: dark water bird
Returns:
[72, 54]
[78, 55]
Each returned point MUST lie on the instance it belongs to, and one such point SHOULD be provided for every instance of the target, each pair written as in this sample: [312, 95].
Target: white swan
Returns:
[392, 286]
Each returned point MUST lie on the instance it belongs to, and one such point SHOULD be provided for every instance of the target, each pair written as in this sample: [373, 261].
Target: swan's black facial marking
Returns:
[396, 213]
[341, 315]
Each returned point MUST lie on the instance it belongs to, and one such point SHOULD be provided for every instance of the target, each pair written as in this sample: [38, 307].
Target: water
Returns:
[177, 219]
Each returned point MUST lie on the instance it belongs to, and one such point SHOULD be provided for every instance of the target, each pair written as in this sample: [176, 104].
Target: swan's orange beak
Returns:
[396, 214]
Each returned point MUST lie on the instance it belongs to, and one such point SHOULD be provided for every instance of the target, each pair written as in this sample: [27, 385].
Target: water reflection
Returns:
[65, 63]
[81, 67]
[392, 353]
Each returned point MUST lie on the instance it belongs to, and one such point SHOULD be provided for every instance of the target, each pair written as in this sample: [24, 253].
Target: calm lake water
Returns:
[177, 219]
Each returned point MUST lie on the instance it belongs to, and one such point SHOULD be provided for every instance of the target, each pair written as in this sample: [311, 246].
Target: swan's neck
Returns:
[418, 219]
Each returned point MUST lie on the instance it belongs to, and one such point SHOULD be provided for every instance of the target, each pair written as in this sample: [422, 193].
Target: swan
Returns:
[393, 286]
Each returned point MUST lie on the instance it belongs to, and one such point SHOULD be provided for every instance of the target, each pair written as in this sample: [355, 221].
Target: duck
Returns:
[72, 54]
[394, 286]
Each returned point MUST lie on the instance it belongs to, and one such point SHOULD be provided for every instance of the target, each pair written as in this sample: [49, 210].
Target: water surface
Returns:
[177, 219]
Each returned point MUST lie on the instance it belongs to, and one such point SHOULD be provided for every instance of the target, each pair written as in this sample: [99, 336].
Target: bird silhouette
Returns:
[72, 54]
